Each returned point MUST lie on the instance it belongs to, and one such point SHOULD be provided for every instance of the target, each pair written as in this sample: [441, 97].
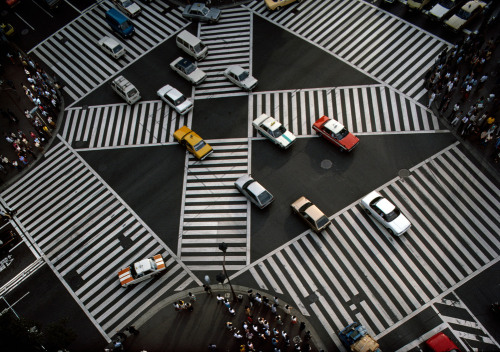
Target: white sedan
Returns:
[175, 99]
[240, 77]
[275, 131]
[188, 70]
[386, 213]
[129, 7]
[112, 47]
[254, 191]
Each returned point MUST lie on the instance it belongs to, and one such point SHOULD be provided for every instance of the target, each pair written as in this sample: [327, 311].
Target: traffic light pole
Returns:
[223, 248]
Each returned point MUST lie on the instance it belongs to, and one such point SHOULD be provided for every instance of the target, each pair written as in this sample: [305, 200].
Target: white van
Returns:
[191, 45]
[125, 89]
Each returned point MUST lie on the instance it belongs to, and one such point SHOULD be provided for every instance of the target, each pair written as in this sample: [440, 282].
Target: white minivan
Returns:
[125, 89]
[192, 45]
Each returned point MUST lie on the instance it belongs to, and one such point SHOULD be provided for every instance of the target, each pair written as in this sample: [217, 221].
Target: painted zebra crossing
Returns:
[72, 53]
[144, 123]
[378, 43]
[213, 209]
[87, 233]
[229, 43]
[364, 109]
[356, 271]
[464, 325]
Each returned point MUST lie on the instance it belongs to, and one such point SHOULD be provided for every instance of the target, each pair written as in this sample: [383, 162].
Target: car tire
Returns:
[366, 211]
[390, 232]
[278, 8]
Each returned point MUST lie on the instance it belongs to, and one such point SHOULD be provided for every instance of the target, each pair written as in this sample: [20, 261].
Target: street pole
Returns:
[223, 248]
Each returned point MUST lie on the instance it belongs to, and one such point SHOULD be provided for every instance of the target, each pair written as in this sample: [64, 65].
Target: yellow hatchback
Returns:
[278, 4]
[194, 143]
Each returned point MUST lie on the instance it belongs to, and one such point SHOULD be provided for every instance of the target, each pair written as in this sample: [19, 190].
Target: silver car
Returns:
[175, 99]
[202, 13]
[241, 77]
[386, 213]
[188, 70]
[254, 191]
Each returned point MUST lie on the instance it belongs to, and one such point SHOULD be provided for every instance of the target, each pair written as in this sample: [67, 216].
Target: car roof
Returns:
[271, 123]
[256, 188]
[334, 126]
[108, 40]
[386, 206]
[236, 69]
[441, 342]
[314, 212]
[472, 5]
[172, 92]
[198, 5]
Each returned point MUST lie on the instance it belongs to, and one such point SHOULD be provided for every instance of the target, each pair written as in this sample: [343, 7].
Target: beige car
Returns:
[417, 4]
[466, 13]
[278, 4]
[314, 217]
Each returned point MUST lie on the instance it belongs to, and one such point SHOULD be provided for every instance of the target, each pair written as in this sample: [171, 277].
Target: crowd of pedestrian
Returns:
[457, 89]
[41, 110]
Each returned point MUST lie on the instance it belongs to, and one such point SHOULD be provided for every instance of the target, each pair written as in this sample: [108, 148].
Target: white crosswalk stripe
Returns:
[144, 123]
[363, 109]
[73, 54]
[213, 209]
[229, 43]
[356, 271]
[88, 233]
[376, 42]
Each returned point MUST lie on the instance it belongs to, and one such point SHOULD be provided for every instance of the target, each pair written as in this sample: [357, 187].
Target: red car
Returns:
[441, 343]
[11, 3]
[336, 133]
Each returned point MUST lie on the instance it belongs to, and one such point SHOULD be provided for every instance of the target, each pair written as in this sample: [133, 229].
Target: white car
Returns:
[254, 191]
[311, 214]
[386, 213]
[112, 47]
[275, 131]
[188, 70]
[129, 7]
[443, 7]
[240, 77]
[142, 270]
[466, 13]
[175, 99]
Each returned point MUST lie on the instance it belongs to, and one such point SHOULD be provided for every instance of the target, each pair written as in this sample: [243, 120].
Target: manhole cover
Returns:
[326, 164]
[25, 31]
[404, 173]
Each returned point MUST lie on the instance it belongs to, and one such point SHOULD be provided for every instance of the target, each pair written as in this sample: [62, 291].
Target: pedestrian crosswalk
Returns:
[464, 325]
[229, 43]
[363, 109]
[378, 43]
[74, 56]
[213, 209]
[87, 233]
[144, 123]
[356, 271]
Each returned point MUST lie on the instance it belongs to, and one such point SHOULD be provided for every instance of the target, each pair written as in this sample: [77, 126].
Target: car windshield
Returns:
[264, 197]
[199, 47]
[279, 131]
[204, 11]
[243, 76]
[322, 221]
[463, 14]
[125, 25]
[117, 48]
[392, 215]
[199, 145]
[447, 3]
[133, 272]
[132, 92]
[189, 69]
[127, 3]
[343, 132]
[180, 100]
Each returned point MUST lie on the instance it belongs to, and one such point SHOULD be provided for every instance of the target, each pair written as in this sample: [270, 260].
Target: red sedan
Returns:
[336, 133]
[441, 343]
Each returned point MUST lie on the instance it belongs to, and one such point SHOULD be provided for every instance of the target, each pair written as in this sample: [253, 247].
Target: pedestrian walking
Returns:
[212, 347]
[189, 307]
[121, 335]
[208, 289]
[232, 311]
[431, 100]
[177, 307]
[276, 301]
[131, 329]
[273, 309]
[247, 310]
[249, 335]
[276, 332]
[278, 320]
[255, 328]
[219, 298]
[307, 336]
[274, 341]
[288, 309]
[226, 303]
[238, 335]
[229, 326]
[302, 326]
[192, 297]
[294, 319]
[284, 334]
[250, 346]
[265, 324]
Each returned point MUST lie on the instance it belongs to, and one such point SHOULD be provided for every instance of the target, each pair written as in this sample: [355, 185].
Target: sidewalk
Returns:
[165, 329]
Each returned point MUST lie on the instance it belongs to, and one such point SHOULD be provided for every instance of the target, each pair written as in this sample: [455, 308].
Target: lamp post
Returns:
[223, 248]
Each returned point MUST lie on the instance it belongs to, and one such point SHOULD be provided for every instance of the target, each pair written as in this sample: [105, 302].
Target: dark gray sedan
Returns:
[202, 13]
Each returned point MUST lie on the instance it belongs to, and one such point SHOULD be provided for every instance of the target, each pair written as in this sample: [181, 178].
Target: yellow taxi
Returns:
[278, 4]
[194, 143]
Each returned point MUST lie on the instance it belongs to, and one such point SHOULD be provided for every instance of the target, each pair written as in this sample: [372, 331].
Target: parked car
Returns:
[175, 99]
[254, 191]
[112, 47]
[193, 143]
[442, 8]
[386, 213]
[200, 12]
[188, 70]
[129, 7]
[241, 77]
[311, 214]
[466, 13]
[278, 4]
[275, 131]
[417, 4]
[334, 132]
[141, 270]
[441, 343]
